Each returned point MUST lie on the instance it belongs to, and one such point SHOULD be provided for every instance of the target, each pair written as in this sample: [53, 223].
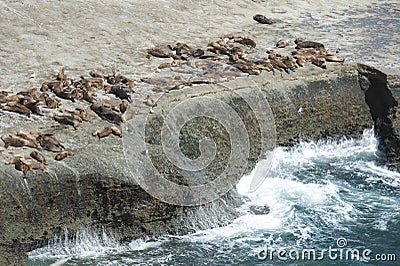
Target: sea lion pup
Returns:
[16, 141]
[282, 43]
[38, 157]
[333, 58]
[116, 131]
[149, 101]
[17, 108]
[123, 106]
[62, 155]
[310, 44]
[106, 113]
[50, 143]
[262, 19]
[120, 92]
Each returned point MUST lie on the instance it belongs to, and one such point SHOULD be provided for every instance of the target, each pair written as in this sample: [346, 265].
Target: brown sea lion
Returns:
[50, 102]
[17, 108]
[159, 53]
[246, 41]
[123, 106]
[333, 58]
[95, 75]
[62, 155]
[262, 19]
[38, 157]
[319, 62]
[116, 131]
[15, 141]
[102, 133]
[70, 94]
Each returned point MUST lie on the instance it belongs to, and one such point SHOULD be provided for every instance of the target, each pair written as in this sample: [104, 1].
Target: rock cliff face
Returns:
[95, 188]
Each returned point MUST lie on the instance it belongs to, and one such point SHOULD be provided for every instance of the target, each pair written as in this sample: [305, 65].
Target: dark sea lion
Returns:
[50, 143]
[120, 92]
[67, 119]
[33, 106]
[38, 157]
[106, 113]
[62, 155]
[262, 19]
[310, 44]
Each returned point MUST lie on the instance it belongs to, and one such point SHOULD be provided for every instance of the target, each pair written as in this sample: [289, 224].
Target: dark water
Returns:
[317, 193]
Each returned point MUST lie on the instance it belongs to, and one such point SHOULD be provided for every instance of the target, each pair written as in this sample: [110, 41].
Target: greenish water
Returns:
[317, 193]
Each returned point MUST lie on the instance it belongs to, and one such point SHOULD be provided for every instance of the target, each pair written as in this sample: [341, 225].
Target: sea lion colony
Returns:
[229, 58]
[50, 96]
[222, 60]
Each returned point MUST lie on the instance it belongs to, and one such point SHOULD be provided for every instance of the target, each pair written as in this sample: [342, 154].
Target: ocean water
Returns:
[334, 195]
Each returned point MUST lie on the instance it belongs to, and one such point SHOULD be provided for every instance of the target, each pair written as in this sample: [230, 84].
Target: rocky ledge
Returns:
[95, 188]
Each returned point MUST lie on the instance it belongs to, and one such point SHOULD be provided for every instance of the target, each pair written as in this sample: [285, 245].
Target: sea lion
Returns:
[116, 131]
[17, 108]
[319, 62]
[50, 102]
[262, 19]
[87, 96]
[19, 165]
[33, 106]
[120, 92]
[61, 75]
[106, 113]
[333, 58]
[282, 43]
[66, 94]
[300, 60]
[28, 136]
[123, 106]
[38, 157]
[159, 53]
[102, 133]
[150, 102]
[164, 65]
[62, 155]
[50, 85]
[246, 41]
[50, 143]
[17, 141]
[95, 75]
[310, 44]
[67, 119]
